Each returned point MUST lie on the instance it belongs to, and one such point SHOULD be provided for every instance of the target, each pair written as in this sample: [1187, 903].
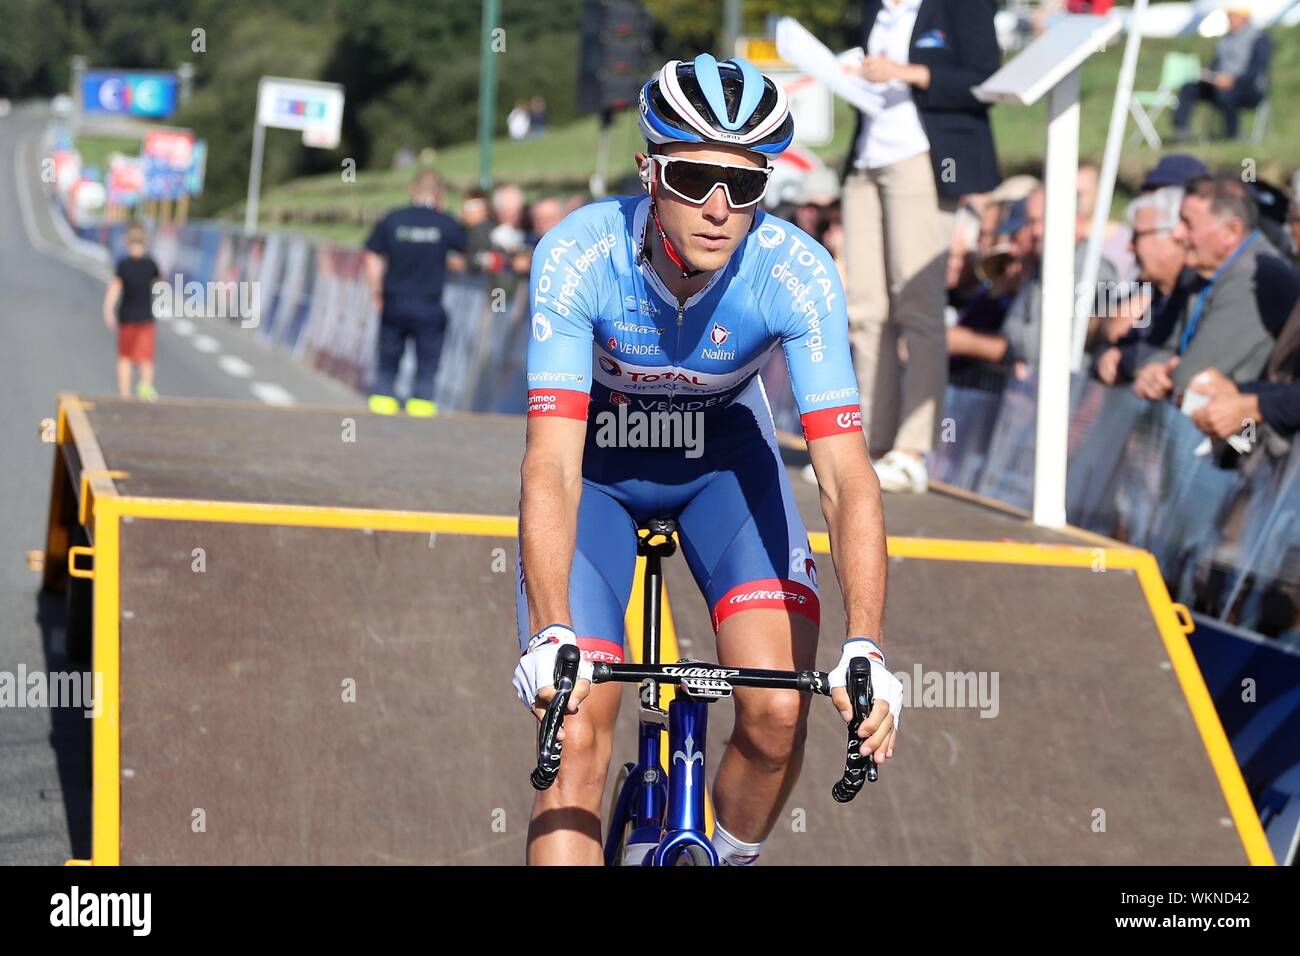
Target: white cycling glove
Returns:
[884, 685]
[536, 668]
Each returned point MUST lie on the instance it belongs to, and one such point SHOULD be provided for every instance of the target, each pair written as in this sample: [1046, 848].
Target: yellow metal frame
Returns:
[1173, 621]
[103, 507]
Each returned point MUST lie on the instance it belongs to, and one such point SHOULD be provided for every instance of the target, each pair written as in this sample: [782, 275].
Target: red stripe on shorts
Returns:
[772, 593]
[599, 649]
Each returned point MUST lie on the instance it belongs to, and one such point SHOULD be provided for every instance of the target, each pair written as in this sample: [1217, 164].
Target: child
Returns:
[128, 307]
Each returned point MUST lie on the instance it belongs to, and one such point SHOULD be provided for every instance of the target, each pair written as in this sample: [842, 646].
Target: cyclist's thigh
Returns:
[746, 543]
[600, 580]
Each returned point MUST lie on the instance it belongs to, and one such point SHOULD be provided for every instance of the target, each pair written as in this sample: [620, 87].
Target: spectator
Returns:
[518, 121]
[961, 279]
[509, 208]
[1248, 292]
[404, 158]
[128, 308]
[1273, 205]
[975, 341]
[1162, 261]
[510, 235]
[1173, 169]
[815, 204]
[1237, 77]
[1022, 326]
[544, 215]
[406, 261]
[930, 144]
[537, 116]
[476, 217]
[992, 208]
[1273, 400]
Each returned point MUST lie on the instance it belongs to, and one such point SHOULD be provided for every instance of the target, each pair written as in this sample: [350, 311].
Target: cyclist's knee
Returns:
[588, 745]
[773, 727]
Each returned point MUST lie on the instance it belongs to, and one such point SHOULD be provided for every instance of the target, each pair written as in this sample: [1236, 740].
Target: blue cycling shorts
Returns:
[738, 526]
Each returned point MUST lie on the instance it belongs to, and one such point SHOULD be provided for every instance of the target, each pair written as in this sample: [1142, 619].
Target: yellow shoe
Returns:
[145, 391]
[384, 405]
[421, 408]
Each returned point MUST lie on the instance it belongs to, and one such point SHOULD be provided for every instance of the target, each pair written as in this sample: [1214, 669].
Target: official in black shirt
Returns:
[406, 263]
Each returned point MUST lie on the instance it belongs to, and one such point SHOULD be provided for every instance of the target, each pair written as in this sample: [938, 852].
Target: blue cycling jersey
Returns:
[605, 328]
[608, 336]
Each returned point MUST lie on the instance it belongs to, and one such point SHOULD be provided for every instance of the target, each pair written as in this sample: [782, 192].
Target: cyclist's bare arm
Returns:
[851, 504]
[551, 489]
[850, 500]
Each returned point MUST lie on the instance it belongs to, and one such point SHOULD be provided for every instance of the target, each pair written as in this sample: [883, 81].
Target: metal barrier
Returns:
[1228, 541]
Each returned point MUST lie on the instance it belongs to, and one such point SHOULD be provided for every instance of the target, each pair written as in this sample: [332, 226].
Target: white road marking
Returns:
[233, 365]
[34, 238]
[272, 394]
[206, 343]
[183, 326]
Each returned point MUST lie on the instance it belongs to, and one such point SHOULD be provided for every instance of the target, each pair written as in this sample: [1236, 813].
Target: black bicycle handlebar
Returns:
[858, 684]
[549, 745]
[806, 681]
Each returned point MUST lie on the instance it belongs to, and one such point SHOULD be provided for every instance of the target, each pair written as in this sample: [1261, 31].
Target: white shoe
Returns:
[901, 473]
[809, 475]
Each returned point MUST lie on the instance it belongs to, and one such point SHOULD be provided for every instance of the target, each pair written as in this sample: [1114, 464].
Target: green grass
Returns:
[564, 158]
[1020, 133]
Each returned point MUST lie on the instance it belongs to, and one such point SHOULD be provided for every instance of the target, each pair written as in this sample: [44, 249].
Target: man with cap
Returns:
[1237, 77]
[1173, 169]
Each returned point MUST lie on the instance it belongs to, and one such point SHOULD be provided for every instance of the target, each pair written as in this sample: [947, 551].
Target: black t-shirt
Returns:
[415, 241]
[138, 277]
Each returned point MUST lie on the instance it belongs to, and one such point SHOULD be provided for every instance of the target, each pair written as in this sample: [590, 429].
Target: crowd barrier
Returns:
[1227, 540]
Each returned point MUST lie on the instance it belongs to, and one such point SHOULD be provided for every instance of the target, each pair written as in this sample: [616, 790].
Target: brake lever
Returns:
[549, 745]
[856, 766]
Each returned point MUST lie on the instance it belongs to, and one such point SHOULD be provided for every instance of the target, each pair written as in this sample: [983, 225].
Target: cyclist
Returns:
[671, 303]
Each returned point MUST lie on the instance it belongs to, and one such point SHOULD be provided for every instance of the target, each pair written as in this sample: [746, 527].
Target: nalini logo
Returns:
[718, 335]
[770, 235]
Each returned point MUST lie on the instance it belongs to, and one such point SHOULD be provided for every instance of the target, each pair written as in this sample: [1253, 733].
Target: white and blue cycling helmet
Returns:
[729, 103]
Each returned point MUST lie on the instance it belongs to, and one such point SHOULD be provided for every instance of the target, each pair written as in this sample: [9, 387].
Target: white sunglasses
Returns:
[695, 180]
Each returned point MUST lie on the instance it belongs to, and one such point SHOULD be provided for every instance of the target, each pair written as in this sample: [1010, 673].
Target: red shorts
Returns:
[135, 341]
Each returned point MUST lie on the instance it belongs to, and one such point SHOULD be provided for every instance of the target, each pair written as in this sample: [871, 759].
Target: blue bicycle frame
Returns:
[661, 810]
[649, 808]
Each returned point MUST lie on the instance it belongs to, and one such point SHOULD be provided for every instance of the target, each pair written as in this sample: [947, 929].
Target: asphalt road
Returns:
[53, 341]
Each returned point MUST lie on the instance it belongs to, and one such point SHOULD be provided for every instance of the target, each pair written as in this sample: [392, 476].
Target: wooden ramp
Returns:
[305, 620]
